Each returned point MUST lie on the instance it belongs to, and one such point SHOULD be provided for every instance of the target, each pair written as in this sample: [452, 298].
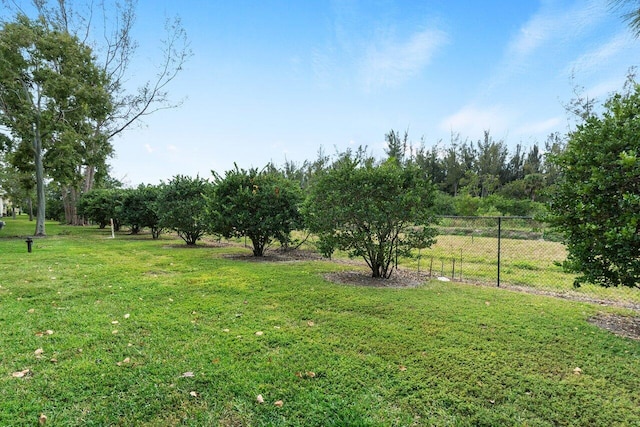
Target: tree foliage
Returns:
[262, 206]
[51, 91]
[631, 13]
[373, 211]
[182, 207]
[101, 206]
[596, 202]
[139, 209]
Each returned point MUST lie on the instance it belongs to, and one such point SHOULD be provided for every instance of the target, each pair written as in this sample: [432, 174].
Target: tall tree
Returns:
[50, 88]
[631, 13]
[108, 28]
[490, 164]
[396, 145]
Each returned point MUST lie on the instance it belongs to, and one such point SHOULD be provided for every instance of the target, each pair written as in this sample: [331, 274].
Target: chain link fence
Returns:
[496, 250]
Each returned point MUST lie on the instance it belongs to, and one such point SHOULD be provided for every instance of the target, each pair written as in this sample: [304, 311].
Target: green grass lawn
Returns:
[131, 331]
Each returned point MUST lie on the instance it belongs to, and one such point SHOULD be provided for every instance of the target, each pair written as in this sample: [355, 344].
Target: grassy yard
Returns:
[136, 332]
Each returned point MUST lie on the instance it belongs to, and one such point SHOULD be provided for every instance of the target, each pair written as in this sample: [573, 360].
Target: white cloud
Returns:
[593, 60]
[549, 29]
[541, 127]
[531, 36]
[149, 148]
[172, 148]
[389, 63]
[472, 121]
[605, 88]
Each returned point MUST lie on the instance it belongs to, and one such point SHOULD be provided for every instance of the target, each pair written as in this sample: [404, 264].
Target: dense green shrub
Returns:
[139, 209]
[376, 212]
[101, 206]
[262, 206]
[596, 204]
[182, 207]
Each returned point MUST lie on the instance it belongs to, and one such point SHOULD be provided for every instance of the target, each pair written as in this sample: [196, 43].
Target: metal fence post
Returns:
[499, 236]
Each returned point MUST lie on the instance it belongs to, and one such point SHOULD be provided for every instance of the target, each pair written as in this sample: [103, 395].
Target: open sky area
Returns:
[277, 80]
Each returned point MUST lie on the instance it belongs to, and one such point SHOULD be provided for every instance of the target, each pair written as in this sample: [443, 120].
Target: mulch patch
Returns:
[624, 326]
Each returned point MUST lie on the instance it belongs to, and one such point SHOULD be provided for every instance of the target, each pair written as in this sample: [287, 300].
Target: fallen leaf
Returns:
[216, 360]
[225, 330]
[126, 316]
[487, 303]
[42, 419]
[310, 323]
[115, 322]
[39, 334]
[402, 368]
[259, 333]
[188, 375]
[21, 374]
[193, 394]
[114, 332]
[48, 332]
[38, 352]
[53, 360]
[279, 403]
[492, 401]
[276, 327]
[259, 399]
[577, 371]
[124, 361]
[311, 374]
[31, 310]
[170, 299]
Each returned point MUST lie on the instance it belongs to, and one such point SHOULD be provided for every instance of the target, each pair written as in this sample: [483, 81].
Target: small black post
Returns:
[499, 235]
[29, 243]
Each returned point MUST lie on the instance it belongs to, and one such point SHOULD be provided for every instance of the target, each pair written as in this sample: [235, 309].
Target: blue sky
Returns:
[274, 80]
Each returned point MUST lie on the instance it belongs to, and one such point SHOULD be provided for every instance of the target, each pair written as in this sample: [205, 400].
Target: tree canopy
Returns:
[596, 203]
[50, 92]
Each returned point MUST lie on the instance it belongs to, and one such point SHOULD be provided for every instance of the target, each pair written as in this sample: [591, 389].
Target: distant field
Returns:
[132, 331]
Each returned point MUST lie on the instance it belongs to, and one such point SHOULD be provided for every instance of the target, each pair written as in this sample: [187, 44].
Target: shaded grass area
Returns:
[154, 333]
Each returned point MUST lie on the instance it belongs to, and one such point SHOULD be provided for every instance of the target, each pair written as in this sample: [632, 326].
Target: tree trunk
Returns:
[89, 175]
[30, 204]
[40, 196]
[70, 202]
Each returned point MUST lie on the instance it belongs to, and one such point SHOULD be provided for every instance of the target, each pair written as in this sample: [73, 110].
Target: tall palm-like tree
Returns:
[631, 13]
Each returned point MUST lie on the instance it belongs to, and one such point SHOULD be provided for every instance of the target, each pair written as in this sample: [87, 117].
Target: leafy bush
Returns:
[139, 209]
[259, 205]
[182, 207]
[596, 203]
[101, 206]
[376, 212]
